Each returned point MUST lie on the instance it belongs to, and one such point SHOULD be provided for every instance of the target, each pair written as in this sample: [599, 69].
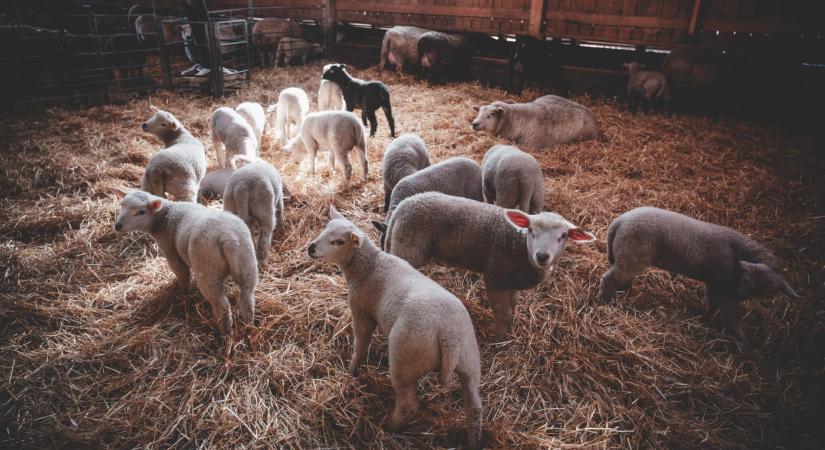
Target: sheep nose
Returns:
[542, 257]
[311, 249]
[118, 226]
[144, 126]
[475, 126]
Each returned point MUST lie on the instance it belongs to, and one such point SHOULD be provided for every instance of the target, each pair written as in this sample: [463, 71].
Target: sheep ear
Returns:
[517, 218]
[498, 111]
[356, 240]
[334, 214]
[173, 126]
[580, 236]
[380, 226]
[156, 204]
[476, 108]
[119, 192]
[154, 108]
[788, 290]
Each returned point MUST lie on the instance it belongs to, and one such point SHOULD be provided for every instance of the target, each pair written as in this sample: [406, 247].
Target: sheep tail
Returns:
[611, 234]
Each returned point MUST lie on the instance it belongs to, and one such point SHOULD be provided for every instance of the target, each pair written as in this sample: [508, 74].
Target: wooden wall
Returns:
[658, 23]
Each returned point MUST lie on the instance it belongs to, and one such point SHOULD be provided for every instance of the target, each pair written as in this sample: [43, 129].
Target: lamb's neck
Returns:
[161, 229]
[176, 137]
[362, 262]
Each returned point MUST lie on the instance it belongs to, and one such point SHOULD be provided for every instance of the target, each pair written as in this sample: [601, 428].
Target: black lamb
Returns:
[367, 95]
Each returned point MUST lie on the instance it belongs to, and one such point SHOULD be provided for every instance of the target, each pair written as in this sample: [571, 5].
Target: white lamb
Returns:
[428, 328]
[290, 111]
[204, 242]
[232, 135]
[330, 95]
[254, 193]
[255, 117]
[180, 166]
[512, 178]
[338, 131]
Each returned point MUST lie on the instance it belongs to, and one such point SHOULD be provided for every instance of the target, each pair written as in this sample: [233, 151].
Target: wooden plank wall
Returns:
[656, 23]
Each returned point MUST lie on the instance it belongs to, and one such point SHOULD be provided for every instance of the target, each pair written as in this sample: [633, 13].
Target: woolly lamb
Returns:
[213, 185]
[544, 123]
[366, 95]
[444, 56]
[255, 194]
[290, 48]
[645, 87]
[210, 244]
[231, 135]
[403, 156]
[399, 48]
[733, 267]
[427, 327]
[292, 107]
[255, 116]
[338, 131]
[458, 176]
[512, 178]
[180, 166]
[330, 96]
[512, 250]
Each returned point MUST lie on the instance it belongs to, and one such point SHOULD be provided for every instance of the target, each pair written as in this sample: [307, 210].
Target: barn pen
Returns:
[99, 348]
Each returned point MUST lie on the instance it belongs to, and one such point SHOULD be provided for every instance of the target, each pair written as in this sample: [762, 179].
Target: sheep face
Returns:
[336, 73]
[137, 210]
[489, 119]
[296, 148]
[337, 241]
[547, 235]
[161, 124]
[762, 281]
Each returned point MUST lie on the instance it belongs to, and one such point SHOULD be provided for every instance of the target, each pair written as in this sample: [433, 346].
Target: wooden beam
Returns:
[536, 23]
[328, 15]
[434, 10]
[618, 20]
[694, 17]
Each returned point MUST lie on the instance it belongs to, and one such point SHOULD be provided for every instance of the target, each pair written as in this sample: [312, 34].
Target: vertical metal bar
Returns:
[217, 59]
[248, 53]
[694, 17]
[98, 50]
[163, 51]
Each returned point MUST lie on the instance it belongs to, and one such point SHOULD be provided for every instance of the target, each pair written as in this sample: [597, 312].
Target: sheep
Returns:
[444, 56]
[512, 250]
[399, 48]
[366, 95]
[255, 116]
[266, 33]
[427, 327]
[231, 135]
[544, 123]
[511, 178]
[180, 166]
[208, 243]
[290, 48]
[403, 156]
[732, 266]
[458, 176]
[213, 185]
[254, 193]
[290, 111]
[338, 131]
[330, 96]
[647, 87]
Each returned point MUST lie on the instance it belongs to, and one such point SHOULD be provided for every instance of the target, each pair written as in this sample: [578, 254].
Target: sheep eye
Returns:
[338, 242]
[141, 212]
[563, 236]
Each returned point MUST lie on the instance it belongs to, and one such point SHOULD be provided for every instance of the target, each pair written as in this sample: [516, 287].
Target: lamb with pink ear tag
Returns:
[512, 250]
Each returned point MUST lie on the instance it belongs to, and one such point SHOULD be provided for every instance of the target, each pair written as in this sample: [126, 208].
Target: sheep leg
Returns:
[733, 320]
[332, 159]
[279, 212]
[387, 194]
[178, 266]
[388, 113]
[501, 302]
[342, 155]
[312, 151]
[264, 234]
[373, 121]
[362, 156]
[364, 115]
[472, 407]
[406, 403]
[212, 290]
[220, 152]
[363, 326]
[613, 280]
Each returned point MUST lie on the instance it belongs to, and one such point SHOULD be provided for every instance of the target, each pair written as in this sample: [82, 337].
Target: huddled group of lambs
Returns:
[486, 218]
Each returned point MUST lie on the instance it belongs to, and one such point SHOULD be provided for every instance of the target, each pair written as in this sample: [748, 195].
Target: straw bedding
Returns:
[97, 349]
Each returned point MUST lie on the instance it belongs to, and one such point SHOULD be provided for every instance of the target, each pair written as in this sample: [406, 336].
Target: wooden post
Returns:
[536, 24]
[694, 17]
[328, 22]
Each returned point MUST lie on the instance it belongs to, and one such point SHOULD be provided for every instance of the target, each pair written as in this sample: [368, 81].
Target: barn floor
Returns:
[97, 350]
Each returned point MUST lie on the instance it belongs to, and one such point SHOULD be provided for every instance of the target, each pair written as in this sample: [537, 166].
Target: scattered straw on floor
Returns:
[98, 350]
